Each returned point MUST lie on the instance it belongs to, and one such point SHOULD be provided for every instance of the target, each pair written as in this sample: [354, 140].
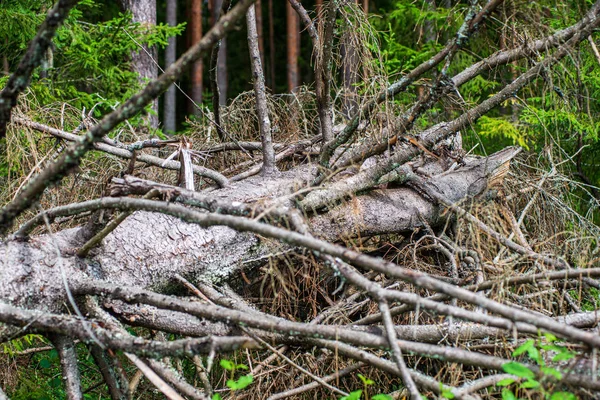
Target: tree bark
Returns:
[259, 30]
[271, 48]
[221, 73]
[147, 249]
[144, 60]
[262, 111]
[195, 24]
[350, 65]
[170, 57]
[293, 47]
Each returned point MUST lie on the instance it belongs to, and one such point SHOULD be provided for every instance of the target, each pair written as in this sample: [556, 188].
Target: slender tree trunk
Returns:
[195, 24]
[271, 47]
[349, 73]
[365, 4]
[293, 47]
[323, 73]
[170, 56]
[318, 7]
[259, 29]
[217, 65]
[222, 57]
[264, 123]
[429, 33]
[144, 60]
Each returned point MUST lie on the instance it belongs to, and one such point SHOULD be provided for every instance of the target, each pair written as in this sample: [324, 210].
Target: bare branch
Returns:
[73, 327]
[314, 385]
[175, 380]
[396, 352]
[156, 380]
[469, 28]
[126, 153]
[68, 362]
[112, 372]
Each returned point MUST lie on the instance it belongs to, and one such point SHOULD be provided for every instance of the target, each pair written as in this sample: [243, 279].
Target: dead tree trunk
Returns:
[221, 65]
[141, 251]
[144, 60]
[293, 47]
[169, 119]
[195, 34]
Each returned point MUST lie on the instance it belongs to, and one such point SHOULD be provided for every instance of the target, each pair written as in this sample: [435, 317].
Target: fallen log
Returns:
[148, 248]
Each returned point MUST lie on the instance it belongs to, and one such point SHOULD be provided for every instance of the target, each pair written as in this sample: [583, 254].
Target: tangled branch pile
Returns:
[359, 253]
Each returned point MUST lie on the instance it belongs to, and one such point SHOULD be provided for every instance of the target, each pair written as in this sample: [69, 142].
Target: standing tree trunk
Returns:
[262, 111]
[271, 47]
[293, 47]
[350, 65]
[318, 7]
[259, 30]
[144, 60]
[170, 56]
[196, 73]
[222, 57]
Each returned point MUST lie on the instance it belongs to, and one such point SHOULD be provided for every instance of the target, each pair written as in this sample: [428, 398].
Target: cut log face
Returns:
[148, 249]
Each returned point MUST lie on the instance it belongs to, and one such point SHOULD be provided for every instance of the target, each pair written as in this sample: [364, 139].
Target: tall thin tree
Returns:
[271, 48]
[318, 7]
[293, 47]
[350, 71]
[259, 30]
[195, 24]
[221, 73]
[169, 116]
[144, 60]
[262, 111]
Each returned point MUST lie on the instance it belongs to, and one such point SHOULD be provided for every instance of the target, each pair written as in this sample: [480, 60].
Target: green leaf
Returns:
[241, 383]
[550, 337]
[45, 363]
[56, 382]
[365, 380]
[353, 395]
[505, 382]
[382, 397]
[563, 356]
[529, 384]
[551, 371]
[518, 369]
[563, 396]
[216, 396]
[529, 344]
[241, 366]
[447, 394]
[508, 395]
[226, 364]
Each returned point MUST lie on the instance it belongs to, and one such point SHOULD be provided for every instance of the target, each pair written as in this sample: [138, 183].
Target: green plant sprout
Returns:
[357, 394]
[527, 379]
[234, 384]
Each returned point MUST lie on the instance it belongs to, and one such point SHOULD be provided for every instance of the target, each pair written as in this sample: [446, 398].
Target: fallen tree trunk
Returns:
[148, 249]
